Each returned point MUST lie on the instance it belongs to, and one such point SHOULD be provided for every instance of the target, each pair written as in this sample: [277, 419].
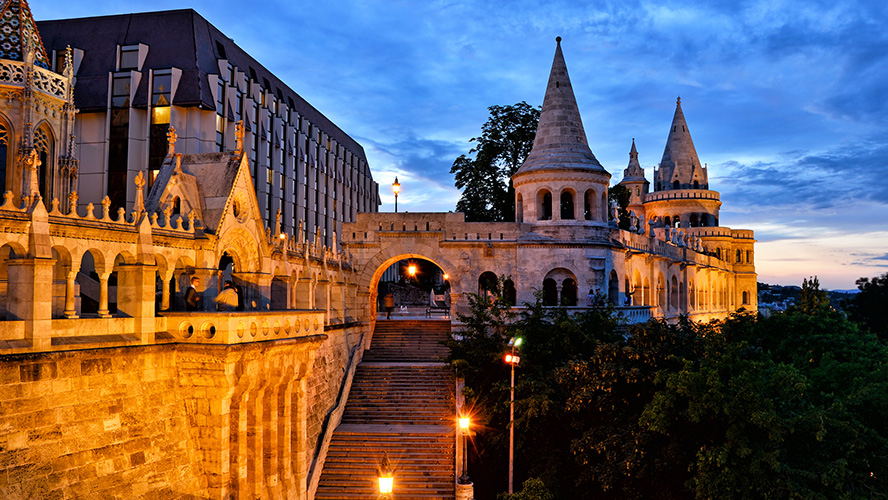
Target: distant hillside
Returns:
[777, 294]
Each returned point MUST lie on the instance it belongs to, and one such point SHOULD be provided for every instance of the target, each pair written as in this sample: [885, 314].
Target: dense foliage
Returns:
[484, 175]
[621, 195]
[791, 406]
[870, 306]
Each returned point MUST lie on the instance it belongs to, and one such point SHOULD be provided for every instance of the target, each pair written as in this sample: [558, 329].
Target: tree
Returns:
[812, 299]
[484, 175]
[621, 195]
[870, 306]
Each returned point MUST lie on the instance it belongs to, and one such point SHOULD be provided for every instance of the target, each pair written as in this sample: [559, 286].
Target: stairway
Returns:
[402, 404]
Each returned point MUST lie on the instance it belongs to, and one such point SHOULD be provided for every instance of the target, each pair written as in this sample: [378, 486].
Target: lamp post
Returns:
[396, 188]
[513, 359]
[386, 478]
[464, 429]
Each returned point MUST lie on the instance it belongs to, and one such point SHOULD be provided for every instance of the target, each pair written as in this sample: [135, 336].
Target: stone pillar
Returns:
[165, 290]
[103, 295]
[29, 295]
[465, 491]
[322, 298]
[70, 287]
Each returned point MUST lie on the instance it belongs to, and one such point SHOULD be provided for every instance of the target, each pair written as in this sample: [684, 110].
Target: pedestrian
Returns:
[227, 300]
[192, 298]
[389, 303]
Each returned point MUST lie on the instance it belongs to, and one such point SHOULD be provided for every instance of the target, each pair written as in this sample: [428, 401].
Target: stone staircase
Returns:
[401, 404]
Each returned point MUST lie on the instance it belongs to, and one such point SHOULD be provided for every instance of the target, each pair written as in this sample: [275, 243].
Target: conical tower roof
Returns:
[560, 141]
[680, 162]
[16, 26]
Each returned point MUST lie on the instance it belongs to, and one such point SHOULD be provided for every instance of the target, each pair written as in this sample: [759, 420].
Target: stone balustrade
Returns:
[240, 327]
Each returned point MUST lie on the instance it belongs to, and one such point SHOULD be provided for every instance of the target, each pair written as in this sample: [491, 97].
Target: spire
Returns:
[633, 172]
[560, 141]
[680, 162]
[17, 28]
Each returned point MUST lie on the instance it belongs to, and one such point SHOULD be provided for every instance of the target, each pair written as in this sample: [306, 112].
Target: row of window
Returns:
[592, 208]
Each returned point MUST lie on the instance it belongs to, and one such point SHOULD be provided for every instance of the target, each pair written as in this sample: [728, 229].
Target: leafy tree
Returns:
[532, 489]
[812, 299]
[621, 195]
[870, 306]
[786, 407]
[485, 173]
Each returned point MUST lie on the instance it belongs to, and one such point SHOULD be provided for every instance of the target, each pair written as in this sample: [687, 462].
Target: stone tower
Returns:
[561, 181]
[36, 112]
[634, 180]
[681, 196]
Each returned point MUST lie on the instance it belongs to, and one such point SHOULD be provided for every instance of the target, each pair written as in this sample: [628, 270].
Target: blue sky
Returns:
[787, 101]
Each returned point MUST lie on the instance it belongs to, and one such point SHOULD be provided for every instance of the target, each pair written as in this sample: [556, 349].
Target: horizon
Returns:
[785, 103]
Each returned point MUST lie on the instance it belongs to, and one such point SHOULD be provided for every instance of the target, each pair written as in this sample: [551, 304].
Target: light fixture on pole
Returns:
[386, 477]
[396, 188]
[513, 359]
[464, 430]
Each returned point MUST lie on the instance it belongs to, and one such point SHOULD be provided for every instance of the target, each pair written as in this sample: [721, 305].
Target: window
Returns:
[129, 57]
[545, 206]
[676, 184]
[567, 206]
[4, 154]
[120, 91]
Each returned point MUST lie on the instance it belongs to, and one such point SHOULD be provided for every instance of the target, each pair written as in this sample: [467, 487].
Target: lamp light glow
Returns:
[386, 478]
[464, 423]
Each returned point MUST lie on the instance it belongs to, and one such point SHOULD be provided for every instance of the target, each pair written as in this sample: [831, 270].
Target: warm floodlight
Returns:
[411, 269]
[386, 478]
[464, 423]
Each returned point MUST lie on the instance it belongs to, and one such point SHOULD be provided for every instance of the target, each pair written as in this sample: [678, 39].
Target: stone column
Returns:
[165, 290]
[70, 287]
[103, 295]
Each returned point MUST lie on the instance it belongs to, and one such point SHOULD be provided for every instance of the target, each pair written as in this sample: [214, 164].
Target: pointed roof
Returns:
[560, 141]
[16, 26]
[633, 172]
[679, 156]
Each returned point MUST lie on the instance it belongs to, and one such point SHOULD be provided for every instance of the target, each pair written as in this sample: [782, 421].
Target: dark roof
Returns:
[176, 38]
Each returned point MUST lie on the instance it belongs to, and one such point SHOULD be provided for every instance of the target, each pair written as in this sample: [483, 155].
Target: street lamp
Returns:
[411, 269]
[513, 359]
[386, 478]
[464, 430]
[396, 188]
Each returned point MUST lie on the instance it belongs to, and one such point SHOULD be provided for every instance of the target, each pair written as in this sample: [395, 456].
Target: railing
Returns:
[682, 194]
[240, 327]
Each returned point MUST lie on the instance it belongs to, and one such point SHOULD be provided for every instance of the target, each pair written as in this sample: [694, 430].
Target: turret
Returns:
[561, 181]
[680, 167]
[635, 182]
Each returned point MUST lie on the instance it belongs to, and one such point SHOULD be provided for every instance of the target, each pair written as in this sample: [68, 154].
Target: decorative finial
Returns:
[239, 136]
[172, 136]
[678, 101]
[139, 204]
[558, 40]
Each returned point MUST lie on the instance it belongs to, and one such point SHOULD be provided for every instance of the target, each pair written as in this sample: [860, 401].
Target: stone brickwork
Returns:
[96, 424]
[176, 421]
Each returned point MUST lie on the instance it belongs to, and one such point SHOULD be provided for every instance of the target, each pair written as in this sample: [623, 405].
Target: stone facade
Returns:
[138, 75]
[566, 242]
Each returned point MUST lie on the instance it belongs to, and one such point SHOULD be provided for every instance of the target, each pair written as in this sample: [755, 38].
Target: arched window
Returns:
[567, 205]
[694, 220]
[589, 204]
[4, 154]
[668, 221]
[613, 288]
[487, 283]
[177, 206]
[739, 257]
[696, 185]
[748, 256]
[659, 186]
[673, 293]
[569, 292]
[661, 292]
[43, 143]
[550, 292]
[545, 201]
[675, 184]
[509, 293]
[745, 298]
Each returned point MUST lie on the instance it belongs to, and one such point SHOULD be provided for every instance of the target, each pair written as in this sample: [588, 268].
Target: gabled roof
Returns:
[204, 185]
[560, 141]
[16, 26]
